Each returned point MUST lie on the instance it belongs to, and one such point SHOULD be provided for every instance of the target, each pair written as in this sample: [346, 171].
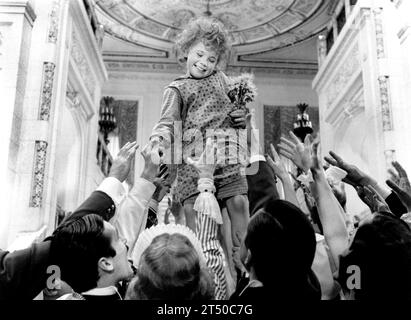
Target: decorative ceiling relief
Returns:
[254, 26]
[251, 20]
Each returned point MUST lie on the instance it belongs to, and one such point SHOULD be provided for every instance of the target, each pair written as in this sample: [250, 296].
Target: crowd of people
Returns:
[240, 231]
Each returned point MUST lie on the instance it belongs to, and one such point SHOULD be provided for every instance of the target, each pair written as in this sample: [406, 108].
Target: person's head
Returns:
[90, 253]
[203, 46]
[378, 263]
[170, 269]
[279, 249]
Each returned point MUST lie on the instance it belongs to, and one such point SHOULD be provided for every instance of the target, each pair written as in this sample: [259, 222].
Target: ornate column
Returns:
[16, 24]
[63, 51]
[360, 105]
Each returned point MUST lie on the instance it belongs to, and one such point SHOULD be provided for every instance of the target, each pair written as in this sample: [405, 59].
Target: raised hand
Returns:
[372, 199]
[205, 165]
[355, 176]
[296, 151]
[151, 162]
[277, 165]
[400, 184]
[121, 166]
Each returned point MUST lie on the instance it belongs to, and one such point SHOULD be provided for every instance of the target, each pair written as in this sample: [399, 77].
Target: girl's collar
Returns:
[189, 76]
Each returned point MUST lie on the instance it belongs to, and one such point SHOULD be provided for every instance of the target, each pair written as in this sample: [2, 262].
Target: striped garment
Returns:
[207, 233]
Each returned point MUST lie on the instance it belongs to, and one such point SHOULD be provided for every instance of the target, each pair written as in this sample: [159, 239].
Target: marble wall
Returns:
[362, 86]
[53, 71]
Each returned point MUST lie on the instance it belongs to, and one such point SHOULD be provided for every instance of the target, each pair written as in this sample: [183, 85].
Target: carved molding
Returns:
[46, 91]
[82, 65]
[73, 96]
[131, 71]
[349, 108]
[53, 29]
[40, 157]
[350, 65]
[379, 30]
[386, 112]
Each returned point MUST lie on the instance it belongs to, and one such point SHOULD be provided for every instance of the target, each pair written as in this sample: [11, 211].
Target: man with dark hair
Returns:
[23, 273]
[91, 255]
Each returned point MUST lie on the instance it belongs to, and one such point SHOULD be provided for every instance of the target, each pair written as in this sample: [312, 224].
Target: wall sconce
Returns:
[107, 120]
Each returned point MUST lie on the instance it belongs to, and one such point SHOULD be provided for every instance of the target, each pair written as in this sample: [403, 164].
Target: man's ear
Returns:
[106, 264]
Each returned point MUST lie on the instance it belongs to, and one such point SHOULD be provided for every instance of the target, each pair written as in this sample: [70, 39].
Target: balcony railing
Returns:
[339, 18]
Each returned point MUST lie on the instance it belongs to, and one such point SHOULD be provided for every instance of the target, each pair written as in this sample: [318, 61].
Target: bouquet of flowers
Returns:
[242, 90]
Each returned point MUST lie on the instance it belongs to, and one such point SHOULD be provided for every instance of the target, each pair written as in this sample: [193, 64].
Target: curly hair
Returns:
[208, 31]
[170, 270]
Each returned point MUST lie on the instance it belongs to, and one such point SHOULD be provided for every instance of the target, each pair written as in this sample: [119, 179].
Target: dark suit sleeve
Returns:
[23, 273]
[261, 186]
[396, 205]
[98, 203]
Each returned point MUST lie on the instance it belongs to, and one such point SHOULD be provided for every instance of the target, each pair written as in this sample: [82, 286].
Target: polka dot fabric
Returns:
[208, 108]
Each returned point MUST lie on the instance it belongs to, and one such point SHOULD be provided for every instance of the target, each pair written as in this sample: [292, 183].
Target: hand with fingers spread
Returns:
[355, 176]
[280, 171]
[372, 199]
[277, 165]
[123, 162]
[400, 184]
[296, 151]
[151, 162]
[205, 165]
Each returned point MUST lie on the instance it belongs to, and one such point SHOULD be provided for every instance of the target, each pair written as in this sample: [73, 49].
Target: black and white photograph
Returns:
[208, 157]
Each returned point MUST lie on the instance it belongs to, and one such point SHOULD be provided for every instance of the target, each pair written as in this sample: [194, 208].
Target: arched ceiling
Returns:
[255, 26]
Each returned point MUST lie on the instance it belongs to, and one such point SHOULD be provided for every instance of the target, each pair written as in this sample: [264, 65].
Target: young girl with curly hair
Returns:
[199, 101]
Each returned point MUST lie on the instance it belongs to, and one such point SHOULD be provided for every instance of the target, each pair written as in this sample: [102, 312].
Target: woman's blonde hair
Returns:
[208, 31]
[170, 269]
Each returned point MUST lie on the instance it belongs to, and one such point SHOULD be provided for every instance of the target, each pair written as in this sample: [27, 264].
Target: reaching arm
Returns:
[131, 216]
[170, 112]
[279, 169]
[331, 216]
[330, 212]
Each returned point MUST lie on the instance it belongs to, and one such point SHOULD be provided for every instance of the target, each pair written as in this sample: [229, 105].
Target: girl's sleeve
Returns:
[170, 112]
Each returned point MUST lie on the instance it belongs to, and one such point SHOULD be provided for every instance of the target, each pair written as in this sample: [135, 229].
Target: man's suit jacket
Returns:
[395, 204]
[23, 273]
[261, 186]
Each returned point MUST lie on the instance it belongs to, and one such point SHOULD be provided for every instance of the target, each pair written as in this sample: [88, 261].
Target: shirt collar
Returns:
[107, 291]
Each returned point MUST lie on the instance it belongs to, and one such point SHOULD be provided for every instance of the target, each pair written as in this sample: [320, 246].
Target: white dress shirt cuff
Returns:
[113, 188]
[144, 188]
[257, 158]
